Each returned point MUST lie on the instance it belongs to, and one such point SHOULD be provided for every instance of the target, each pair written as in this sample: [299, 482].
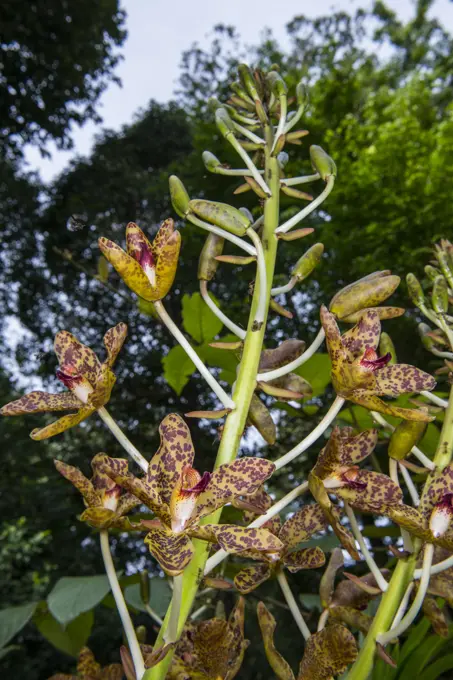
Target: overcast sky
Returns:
[158, 32]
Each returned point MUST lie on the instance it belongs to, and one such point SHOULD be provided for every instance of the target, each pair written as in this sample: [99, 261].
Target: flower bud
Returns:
[246, 212]
[210, 161]
[439, 295]
[309, 260]
[241, 93]
[302, 94]
[415, 290]
[431, 272]
[276, 84]
[405, 436]
[322, 162]
[220, 214]
[296, 193]
[444, 262]
[279, 145]
[259, 417]
[144, 586]
[214, 104]
[224, 122]
[427, 341]
[207, 264]
[369, 291]
[386, 346]
[179, 196]
[248, 81]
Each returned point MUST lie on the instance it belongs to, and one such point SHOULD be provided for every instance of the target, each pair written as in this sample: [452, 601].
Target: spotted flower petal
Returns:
[371, 492]
[75, 358]
[441, 485]
[82, 484]
[61, 424]
[87, 664]
[352, 618]
[373, 403]
[306, 558]
[281, 668]
[250, 578]
[41, 402]
[302, 525]
[138, 487]
[436, 616]
[328, 653]
[333, 335]
[326, 587]
[242, 477]
[129, 270]
[402, 379]
[358, 593]
[235, 539]
[173, 552]
[137, 242]
[167, 259]
[103, 518]
[113, 341]
[364, 335]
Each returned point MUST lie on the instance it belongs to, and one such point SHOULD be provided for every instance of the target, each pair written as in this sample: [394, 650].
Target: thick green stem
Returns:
[242, 395]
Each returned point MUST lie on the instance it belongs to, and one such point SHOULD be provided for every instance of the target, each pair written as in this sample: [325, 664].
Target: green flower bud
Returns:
[369, 291]
[179, 196]
[207, 264]
[276, 83]
[210, 161]
[259, 417]
[427, 342]
[214, 104]
[386, 346]
[439, 295]
[444, 262]
[309, 260]
[246, 212]
[240, 91]
[431, 272]
[221, 214]
[322, 162]
[141, 632]
[302, 94]
[415, 290]
[248, 81]
[224, 122]
[405, 436]
[144, 586]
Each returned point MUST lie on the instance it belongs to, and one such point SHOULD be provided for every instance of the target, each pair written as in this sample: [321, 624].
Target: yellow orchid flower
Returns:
[148, 269]
[89, 669]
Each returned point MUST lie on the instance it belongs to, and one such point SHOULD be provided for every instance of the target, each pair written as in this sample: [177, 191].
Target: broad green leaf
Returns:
[357, 416]
[439, 668]
[310, 601]
[421, 656]
[72, 596]
[177, 368]
[198, 320]
[13, 619]
[415, 638]
[317, 371]
[220, 358]
[69, 640]
[428, 443]
[160, 596]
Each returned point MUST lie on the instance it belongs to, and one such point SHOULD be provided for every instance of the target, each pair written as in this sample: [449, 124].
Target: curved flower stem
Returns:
[220, 555]
[294, 181]
[123, 440]
[286, 288]
[238, 172]
[288, 368]
[418, 600]
[403, 605]
[261, 308]
[248, 133]
[436, 569]
[282, 120]
[295, 118]
[248, 161]
[174, 330]
[373, 567]
[221, 232]
[393, 471]
[121, 606]
[200, 610]
[313, 436]
[289, 224]
[424, 460]
[435, 400]
[410, 485]
[172, 634]
[323, 620]
[292, 604]
[240, 332]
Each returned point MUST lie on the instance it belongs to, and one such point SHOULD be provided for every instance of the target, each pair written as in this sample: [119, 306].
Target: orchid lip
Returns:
[375, 363]
[441, 516]
[77, 384]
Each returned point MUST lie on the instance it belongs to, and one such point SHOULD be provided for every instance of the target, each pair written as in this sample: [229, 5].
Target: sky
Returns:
[158, 32]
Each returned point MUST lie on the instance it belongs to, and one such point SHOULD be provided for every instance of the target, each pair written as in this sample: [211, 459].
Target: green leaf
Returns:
[69, 640]
[415, 638]
[13, 619]
[310, 601]
[72, 596]
[177, 368]
[326, 543]
[421, 656]
[198, 320]
[358, 417]
[438, 668]
[159, 599]
[317, 371]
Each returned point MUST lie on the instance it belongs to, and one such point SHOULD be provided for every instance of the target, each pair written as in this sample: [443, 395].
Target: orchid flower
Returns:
[148, 269]
[90, 383]
[432, 520]
[327, 653]
[180, 497]
[336, 471]
[105, 501]
[297, 529]
[89, 669]
[361, 376]
[353, 300]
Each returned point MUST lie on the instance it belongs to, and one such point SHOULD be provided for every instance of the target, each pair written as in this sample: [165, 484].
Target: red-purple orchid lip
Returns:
[199, 487]
[78, 384]
[441, 516]
[144, 257]
[371, 360]
[184, 497]
[69, 381]
[350, 479]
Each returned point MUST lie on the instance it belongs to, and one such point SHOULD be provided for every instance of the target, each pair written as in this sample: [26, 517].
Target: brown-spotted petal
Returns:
[173, 552]
[354, 450]
[81, 483]
[250, 578]
[328, 653]
[352, 618]
[333, 336]
[103, 518]
[286, 352]
[243, 476]
[167, 261]
[259, 416]
[306, 558]
[436, 616]
[113, 671]
[61, 424]
[358, 593]
[118, 470]
[402, 379]
[129, 269]
[373, 403]
[371, 492]
[113, 341]
[41, 402]
[281, 668]
[326, 587]
[175, 452]
[75, 358]
[137, 242]
[383, 313]
[364, 335]
[237, 539]
[126, 503]
[103, 388]
[87, 664]
[302, 525]
[440, 485]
